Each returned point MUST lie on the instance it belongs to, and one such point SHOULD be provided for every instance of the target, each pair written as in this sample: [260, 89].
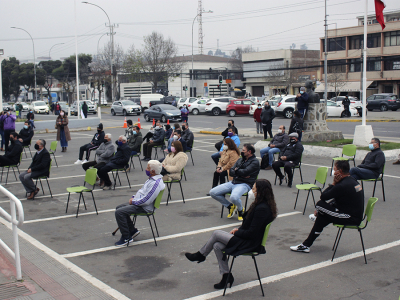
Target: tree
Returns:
[336, 80]
[236, 55]
[48, 67]
[10, 74]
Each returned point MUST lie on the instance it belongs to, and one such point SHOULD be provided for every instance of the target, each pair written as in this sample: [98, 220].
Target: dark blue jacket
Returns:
[121, 158]
[302, 101]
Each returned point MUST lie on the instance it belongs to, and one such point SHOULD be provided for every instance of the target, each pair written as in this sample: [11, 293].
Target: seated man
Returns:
[141, 202]
[135, 140]
[178, 137]
[373, 163]
[288, 158]
[345, 206]
[156, 140]
[13, 153]
[39, 167]
[118, 161]
[98, 138]
[188, 136]
[231, 135]
[231, 123]
[279, 141]
[128, 131]
[244, 173]
[26, 134]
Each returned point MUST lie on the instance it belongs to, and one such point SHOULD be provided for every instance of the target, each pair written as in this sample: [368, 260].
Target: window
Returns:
[373, 63]
[337, 66]
[357, 41]
[374, 40]
[391, 63]
[355, 65]
[290, 100]
[337, 44]
[392, 38]
[237, 102]
[202, 101]
[247, 102]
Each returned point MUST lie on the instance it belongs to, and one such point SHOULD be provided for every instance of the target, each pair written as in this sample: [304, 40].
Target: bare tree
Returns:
[336, 80]
[236, 57]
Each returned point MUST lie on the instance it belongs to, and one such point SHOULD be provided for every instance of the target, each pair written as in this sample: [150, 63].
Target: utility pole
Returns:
[200, 20]
[326, 57]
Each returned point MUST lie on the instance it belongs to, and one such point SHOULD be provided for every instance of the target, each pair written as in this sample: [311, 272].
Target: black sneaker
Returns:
[300, 248]
[281, 180]
[289, 183]
[134, 234]
[123, 242]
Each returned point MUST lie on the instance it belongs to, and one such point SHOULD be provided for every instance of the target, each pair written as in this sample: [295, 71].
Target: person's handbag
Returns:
[265, 161]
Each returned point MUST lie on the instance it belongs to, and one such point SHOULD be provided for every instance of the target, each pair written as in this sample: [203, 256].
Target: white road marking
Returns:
[163, 238]
[51, 178]
[69, 265]
[30, 158]
[296, 272]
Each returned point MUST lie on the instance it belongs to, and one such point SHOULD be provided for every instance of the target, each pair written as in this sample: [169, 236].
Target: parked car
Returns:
[125, 107]
[64, 106]
[384, 102]
[39, 107]
[187, 101]
[180, 102]
[216, 106]
[162, 112]
[354, 102]
[92, 107]
[256, 100]
[25, 106]
[146, 98]
[7, 107]
[253, 107]
[286, 106]
[335, 109]
[198, 106]
[238, 107]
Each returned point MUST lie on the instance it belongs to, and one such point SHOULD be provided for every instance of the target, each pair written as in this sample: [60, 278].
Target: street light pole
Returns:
[1, 80]
[52, 48]
[34, 59]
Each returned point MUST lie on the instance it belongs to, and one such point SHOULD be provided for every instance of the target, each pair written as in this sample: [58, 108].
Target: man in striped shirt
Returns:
[142, 202]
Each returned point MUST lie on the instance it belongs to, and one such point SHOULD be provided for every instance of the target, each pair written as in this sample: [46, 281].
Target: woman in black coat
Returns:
[246, 238]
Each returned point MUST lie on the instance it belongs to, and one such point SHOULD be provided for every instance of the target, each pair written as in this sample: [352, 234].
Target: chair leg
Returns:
[128, 179]
[183, 197]
[79, 202]
[222, 211]
[140, 161]
[337, 244]
[94, 202]
[152, 231]
[30, 151]
[276, 176]
[49, 188]
[155, 225]
[383, 191]
[115, 231]
[131, 165]
[184, 173]
[258, 274]
[301, 174]
[230, 274]
[295, 203]
[191, 157]
[362, 244]
[41, 185]
[305, 205]
[114, 179]
[312, 193]
[8, 170]
[373, 192]
[247, 198]
[66, 210]
[337, 235]
[169, 191]
[54, 155]
[330, 173]
[26, 156]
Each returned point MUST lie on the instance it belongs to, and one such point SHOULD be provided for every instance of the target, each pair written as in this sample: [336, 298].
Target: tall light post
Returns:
[112, 46]
[52, 48]
[191, 77]
[1, 80]
[34, 59]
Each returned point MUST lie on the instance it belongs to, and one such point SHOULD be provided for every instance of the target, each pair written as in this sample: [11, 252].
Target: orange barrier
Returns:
[125, 124]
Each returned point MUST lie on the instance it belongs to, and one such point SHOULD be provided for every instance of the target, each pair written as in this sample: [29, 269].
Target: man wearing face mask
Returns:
[373, 163]
[231, 124]
[188, 136]
[267, 115]
[231, 135]
[135, 140]
[26, 134]
[342, 202]
[280, 140]
[141, 202]
[302, 101]
[289, 157]
[118, 161]
[13, 153]
[244, 173]
[103, 154]
[156, 140]
[97, 140]
[257, 119]
[39, 167]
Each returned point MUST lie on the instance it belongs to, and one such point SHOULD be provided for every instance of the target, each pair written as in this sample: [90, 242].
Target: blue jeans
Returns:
[271, 152]
[361, 173]
[236, 190]
[63, 139]
[215, 157]
[133, 153]
[302, 112]
[2, 138]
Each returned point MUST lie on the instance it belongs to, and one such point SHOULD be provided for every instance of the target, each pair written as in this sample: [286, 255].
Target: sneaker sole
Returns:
[134, 235]
[304, 251]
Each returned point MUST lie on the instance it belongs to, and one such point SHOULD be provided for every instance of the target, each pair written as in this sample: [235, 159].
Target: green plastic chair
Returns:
[169, 184]
[322, 173]
[53, 149]
[253, 256]
[13, 168]
[380, 178]
[156, 152]
[90, 178]
[117, 176]
[367, 218]
[349, 151]
[293, 169]
[138, 156]
[29, 148]
[44, 177]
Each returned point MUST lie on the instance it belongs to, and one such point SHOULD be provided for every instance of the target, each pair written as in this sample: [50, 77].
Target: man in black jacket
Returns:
[373, 163]
[97, 139]
[85, 109]
[289, 157]
[267, 115]
[345, 207]
[346, 106]
[118, 161]
[39, 167]
[231, 124]
[188, 136]
[244, 173]
[13, 153]
[26, 134]
[156, 140]
[135, 140]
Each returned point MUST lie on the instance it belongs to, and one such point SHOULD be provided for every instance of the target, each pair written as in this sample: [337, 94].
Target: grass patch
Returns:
[339, 143]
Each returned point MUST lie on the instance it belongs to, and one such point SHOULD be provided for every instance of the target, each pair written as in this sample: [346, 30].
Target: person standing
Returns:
[184, 114]
[57, 108]
[267, 115]
[52, 108]
[2, 130]
[8, 121]
[63, 134]
[85, 109]
[346, 106]
[30, 117]
[257, 119]
[19, 109]
[302, 101]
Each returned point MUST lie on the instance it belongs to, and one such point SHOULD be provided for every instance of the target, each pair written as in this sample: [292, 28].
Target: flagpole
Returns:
[364, 79]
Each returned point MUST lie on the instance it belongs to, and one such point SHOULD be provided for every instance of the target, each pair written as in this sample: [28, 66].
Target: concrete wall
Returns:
[73, 123]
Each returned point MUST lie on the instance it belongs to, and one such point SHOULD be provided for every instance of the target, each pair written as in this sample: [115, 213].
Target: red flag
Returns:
[379, 6]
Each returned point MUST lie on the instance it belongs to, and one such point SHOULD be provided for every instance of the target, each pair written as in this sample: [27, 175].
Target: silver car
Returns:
[198, 106]
[125, 107]
[92, 107]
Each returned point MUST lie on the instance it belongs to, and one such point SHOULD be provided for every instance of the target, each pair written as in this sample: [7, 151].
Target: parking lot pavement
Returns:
[146, 271]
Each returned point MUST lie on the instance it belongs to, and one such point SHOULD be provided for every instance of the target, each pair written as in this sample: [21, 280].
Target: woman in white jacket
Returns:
[174, 162]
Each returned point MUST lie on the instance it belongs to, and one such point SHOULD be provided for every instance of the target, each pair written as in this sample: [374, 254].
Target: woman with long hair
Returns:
[246, 238]
[63, 134]
[174, 162]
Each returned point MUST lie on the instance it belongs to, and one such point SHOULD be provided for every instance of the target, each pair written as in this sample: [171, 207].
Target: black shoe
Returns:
[195, 257]
[208, 194]
[221, 284]
[289, 183]
[281, 180]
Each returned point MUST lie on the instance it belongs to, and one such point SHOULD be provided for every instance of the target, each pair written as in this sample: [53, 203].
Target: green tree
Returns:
[48, 67]
[10, 74]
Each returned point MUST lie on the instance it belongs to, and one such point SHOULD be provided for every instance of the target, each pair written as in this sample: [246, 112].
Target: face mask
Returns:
[173, 127]
[36, 146]
[12, 140]
[183, 127]
[119, 143]
[26, 126]
[148, 173]
[157, 127]
[242, 154]
[30, 111]
[229, 124]
[175, 137]
[259, 106]
[279, 130]
[99, 130]
[301, 92]
[230, 133]
[266, 106]
[172, 149]
[134, 132]
[61, 114]
[371, 146]
[293, 141]
[251, 195]
[225, 147]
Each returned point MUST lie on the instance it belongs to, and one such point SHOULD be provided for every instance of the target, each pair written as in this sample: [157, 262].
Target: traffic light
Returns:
[184, 88]
[220, 78]
[219, 86]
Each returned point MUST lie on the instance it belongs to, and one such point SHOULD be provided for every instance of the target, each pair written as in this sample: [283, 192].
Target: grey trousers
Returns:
[123, 217]
[259, 127]
[27, 182]
[218, 241]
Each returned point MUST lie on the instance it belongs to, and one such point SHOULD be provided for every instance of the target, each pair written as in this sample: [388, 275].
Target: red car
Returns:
[239, 107]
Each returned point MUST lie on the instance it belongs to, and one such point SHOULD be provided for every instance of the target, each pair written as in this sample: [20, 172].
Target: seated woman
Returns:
[174, 162]
[246, 238]
[229, 156]
[171, 136]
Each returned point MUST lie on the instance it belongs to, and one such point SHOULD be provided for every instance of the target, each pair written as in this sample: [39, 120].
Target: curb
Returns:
[360, 120]
[211, 132]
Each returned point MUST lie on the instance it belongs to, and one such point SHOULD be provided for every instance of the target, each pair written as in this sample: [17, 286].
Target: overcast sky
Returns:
[265, 25]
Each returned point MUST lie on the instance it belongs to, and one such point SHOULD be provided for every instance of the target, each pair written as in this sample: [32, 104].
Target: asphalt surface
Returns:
[146, 271]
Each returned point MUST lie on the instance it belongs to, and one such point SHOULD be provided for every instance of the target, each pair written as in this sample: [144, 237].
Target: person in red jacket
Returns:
[257, 119]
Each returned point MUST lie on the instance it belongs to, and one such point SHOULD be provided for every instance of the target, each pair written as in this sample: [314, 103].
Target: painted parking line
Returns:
[163, 238]
[51, 178]
[278, 277]
[30, 158]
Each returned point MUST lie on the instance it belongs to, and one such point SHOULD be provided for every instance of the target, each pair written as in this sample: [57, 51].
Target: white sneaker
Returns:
[300, 248]
[84, 162]
[312, 217]
[78, 162]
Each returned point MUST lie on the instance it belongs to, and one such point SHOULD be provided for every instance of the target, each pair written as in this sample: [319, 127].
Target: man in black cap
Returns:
[98, 138]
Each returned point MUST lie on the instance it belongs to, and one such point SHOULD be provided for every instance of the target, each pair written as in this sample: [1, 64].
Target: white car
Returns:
[256, 99]
[273, 104]
[337, 110]
[92, 107]
[25, 107]
[39, 107]
[216, 106]
[198, 106]
[354, 102]
[286, 106]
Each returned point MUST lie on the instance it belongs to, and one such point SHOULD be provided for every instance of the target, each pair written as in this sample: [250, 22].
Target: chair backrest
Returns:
[20, 158]
[157, 202]
[349, 150]
[322, 173]
[91, 176]
[370, 207]
[264, 240]
[53, 145]
[383, 169]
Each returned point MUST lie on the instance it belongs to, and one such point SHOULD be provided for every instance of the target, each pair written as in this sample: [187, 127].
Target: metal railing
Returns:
[15, 205]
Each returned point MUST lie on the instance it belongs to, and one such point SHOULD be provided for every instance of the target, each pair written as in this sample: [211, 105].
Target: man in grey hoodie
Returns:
[103, 154]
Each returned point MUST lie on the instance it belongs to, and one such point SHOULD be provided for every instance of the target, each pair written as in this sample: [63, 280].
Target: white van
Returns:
[146, 98]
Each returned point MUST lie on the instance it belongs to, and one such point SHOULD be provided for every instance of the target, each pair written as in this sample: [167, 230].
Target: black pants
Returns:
[147, 147]
[267, 128]
[347, 111]
[7, 138]
[93, 164]
[287, 167]
[328, 214]
[103, 172]
[123, 214]
[219, 177]
[87, 148]
[6, 161]
[218, 145]
[148, 136]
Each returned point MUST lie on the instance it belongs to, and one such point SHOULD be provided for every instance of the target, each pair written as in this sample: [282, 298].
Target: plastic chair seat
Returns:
[78, 189]
[307, 186]
[342, 158]
[362, 225]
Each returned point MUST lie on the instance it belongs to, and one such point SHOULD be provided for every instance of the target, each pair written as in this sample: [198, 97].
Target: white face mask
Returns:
[175, 137]
[225, 147]
[279, 130]
[251, 195]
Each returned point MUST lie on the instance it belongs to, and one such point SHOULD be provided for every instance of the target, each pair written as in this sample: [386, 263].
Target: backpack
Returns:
[265, 161]
[296, 128]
